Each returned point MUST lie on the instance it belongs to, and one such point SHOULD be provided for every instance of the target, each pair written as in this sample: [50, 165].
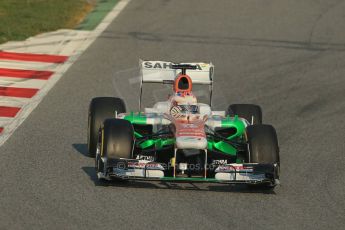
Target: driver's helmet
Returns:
[189, 109]
[183, 84]
[183, 110]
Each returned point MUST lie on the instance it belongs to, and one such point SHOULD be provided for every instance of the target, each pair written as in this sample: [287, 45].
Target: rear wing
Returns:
[162, 72]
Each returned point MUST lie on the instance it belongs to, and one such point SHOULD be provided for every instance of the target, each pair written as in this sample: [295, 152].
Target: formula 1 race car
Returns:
[182, 139]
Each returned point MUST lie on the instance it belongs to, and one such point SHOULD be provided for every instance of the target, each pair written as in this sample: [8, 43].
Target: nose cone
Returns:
[190, 142]
[190, 135]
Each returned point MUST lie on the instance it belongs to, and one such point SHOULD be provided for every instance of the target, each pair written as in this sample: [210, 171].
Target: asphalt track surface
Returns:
[287, 56]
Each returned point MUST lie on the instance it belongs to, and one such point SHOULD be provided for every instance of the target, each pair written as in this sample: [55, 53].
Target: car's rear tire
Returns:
[262, 148]
[252, 113]
[100, 109]
[118, 139]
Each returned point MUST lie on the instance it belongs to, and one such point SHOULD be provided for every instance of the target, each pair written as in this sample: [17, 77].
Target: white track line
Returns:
[28, 65]
[22, 82]
[76, 43]
[14, 101]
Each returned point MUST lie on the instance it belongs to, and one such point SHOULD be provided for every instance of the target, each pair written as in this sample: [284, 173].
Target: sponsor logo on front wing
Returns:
[146, 158]
[142, 165]
[220, 162]
[234, 168]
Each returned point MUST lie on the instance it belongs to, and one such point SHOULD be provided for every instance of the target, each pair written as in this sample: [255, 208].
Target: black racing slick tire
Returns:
[262, 144]
[116, 142]
[263, 148]
[100, 109]
[252, 113]
[117, 139]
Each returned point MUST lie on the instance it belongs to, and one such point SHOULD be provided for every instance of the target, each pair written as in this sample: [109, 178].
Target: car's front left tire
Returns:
[263, 149]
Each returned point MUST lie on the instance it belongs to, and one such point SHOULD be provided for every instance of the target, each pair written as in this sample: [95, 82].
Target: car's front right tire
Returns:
[100, 109]
[116, 142]
[117, 139]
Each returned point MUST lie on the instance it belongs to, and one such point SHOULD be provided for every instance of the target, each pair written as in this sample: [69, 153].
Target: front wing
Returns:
[247, 173]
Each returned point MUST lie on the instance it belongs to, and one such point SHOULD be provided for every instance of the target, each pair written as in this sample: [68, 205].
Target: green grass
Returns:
[20, 19]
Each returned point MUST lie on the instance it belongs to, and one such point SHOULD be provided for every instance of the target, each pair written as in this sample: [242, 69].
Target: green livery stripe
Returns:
[136, 118]
[222, 146]
[228, 122]
[137, 135]
[158, 143]
[234, 122]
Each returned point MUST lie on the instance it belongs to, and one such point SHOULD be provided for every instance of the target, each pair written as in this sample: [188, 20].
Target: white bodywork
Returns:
[213, 119]
[164, 106]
